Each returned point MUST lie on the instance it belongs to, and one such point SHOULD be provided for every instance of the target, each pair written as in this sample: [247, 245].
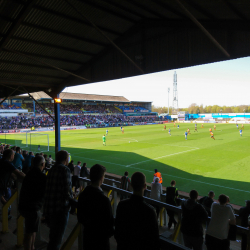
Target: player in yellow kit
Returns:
[214, 127]
[202, 125]
[210, 130]
[242, 126]
[212, 135]
[188, 131]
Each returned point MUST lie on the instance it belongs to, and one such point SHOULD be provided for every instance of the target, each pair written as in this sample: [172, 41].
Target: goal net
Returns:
[38, 142]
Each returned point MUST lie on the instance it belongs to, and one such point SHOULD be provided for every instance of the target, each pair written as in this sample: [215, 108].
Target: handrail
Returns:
[5, 223]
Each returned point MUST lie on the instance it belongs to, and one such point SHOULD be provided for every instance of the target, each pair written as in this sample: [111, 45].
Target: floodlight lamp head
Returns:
[58, 100]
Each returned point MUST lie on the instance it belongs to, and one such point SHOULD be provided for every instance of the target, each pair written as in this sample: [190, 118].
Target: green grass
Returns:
[200, 163]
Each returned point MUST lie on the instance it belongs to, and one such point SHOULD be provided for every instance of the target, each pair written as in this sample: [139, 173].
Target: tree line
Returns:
[200, 109]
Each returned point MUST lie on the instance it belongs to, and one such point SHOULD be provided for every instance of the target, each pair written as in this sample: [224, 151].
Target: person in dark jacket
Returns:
[95, 213]
[171, 196]
[84, 173]
[207, 202]
[244, 213]
[31, 200]
[193, 215]
[136, 225]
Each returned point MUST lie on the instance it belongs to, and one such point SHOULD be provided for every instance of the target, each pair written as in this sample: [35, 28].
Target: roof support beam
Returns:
[213, 40]
[111, 42]
[201, 10]
[105, 9]
[40, 61]
[52, 46]
[9, 95]
[50, 57]
[170, 8]
[74, 19]
[15, 25]
[235, 10]
[27, 84]
[124, 8]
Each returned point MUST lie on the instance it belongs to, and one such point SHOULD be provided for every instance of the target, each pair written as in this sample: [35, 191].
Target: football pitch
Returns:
[200, 163]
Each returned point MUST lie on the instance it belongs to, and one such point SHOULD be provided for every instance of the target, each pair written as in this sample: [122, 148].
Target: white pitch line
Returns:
[171, 145]
[164, 156]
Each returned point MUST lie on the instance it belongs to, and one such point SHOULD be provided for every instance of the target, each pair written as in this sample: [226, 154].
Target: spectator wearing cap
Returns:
[193, 215]
[244, 213]
[157, 174]
[171, 196]
[217, 231]
[136, 225]
[31, 200]
[156, 191]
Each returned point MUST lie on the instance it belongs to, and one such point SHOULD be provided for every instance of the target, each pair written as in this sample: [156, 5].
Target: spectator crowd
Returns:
[51, 198]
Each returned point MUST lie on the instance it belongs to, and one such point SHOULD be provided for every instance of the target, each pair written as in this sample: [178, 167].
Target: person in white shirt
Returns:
[217, 232]
[156, 191]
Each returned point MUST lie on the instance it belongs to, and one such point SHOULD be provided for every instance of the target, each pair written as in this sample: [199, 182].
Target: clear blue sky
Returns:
[223, 83]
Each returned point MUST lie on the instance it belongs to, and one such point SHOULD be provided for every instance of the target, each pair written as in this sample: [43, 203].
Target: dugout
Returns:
[49, 45]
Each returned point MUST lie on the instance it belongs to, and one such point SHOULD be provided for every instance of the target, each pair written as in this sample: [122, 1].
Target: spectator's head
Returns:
[49, 156]
[156, 170]
[31, 153]
[223, 199]
[39, 162]
[41, 154]
[211, 194]
[84, 164]
[8, 155]
[193, 194]
[138, 183]
[126, 173]
[97, 173]
[62, 157]
[79, 163]
[37, 154]
[45, 157]
[247, 203]
[156, 180]
[18, 149]
[173, 183]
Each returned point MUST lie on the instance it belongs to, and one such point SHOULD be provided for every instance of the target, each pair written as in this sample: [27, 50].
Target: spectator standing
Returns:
[171, 196]
[125, 182]
[156, 191]
[77, 170]
[95, 213]
[31, 200]
[193, 215]
[136, 225]
[84, 173]
[50, 160]
[58, 195]
[71, 166]
[244, 213]
[27, 162]
[217, 231]
[207, 202]
[18, 159]
[157, 174]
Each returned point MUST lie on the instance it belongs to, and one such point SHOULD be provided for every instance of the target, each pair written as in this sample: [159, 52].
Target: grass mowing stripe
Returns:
[161, 157]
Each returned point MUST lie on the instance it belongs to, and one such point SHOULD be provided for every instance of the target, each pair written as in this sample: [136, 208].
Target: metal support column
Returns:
[34, 108]
[57, 126]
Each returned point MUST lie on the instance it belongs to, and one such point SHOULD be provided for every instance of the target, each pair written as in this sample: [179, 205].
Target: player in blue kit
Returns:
[237, 126]
[178, 126]
[241, 132]
[186, 134]
[169, 131]
[107, 131]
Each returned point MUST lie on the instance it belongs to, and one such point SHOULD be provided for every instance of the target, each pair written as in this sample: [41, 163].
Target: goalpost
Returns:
[37, 142]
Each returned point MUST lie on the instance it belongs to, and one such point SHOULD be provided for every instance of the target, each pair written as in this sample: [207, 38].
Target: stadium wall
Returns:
[219, 115]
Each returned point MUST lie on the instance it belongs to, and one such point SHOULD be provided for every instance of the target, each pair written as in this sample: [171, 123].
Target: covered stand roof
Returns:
[47, 45]
[76, 96]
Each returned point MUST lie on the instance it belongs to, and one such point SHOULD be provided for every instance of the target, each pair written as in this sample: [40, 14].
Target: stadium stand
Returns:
[112, 188]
